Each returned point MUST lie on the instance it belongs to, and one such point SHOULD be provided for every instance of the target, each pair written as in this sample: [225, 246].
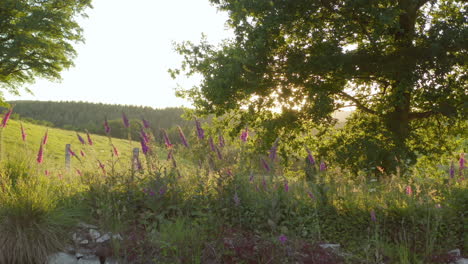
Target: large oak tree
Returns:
[399, 61]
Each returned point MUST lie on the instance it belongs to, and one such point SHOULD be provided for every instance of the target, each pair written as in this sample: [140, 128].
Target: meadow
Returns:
[213, 199]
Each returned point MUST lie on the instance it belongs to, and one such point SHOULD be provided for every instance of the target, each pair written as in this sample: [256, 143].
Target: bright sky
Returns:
[128, 51]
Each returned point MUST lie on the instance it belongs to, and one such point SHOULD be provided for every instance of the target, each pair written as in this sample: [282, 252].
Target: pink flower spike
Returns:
[409, 191]
[81, 139]
[46, 137]
[23, 133]
[82, 153]
[310, 158]
[323, 166]
[107, 128]
[146, 123]
[200, 132]
[286, 186]
[182, 137]
[115, 151]
[265, 165]
[40, 154]
[166, 139]
[6, 117]
[245, 135]
[90, 141]
[211, 142]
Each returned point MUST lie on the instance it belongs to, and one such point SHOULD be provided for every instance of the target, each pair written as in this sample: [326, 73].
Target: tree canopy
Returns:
[398, 61]
[36, 39]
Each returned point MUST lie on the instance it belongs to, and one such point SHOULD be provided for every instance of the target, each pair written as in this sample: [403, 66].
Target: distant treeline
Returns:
[81, 116]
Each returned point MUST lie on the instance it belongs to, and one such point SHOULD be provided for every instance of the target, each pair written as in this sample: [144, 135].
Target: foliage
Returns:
[293, 63]
[36, 39]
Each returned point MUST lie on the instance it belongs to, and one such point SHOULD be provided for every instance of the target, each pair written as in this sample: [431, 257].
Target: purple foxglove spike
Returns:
[310, 158]
[462, 162]
[265, 165]
[107, 128]
[46, 137]
[23, 133]
[72, 153]
[170, 155]
[115, 151]
[182, 137]
[102, 166]
[323, 166]
[212, 145]
[372, 215]
[144, 136]
[286, 186]
[40, 154]
[166, 139]
[218, 152]
[236, 199]
[81, 139]
[146, 123]
[90, 141]
[222, 143]
[6, 117]
[283, 238]
[82, 153]
[244, 135]
[200, 132]
[311, 195]
[125, 120]
[452, 170]
[144, 146]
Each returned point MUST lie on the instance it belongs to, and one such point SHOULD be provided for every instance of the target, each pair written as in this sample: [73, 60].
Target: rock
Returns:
[455, 252]
[330, 246]
[104, 238]
[462, 261]
[117, 236]
[84, 242]
[94, 234]
[62, 258]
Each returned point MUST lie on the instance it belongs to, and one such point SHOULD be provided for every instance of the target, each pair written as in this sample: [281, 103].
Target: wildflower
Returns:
[462, 162]
[125, 120]
[182, 137]
[80, 138]
[222, 143]
[200, 132]
[40, 154]
[229, 172]
[102, 166]
[146, 123]
[107, 128]
[90, 141]
[23, 133]
[372, 216]
[236, 199]
[218, 152]
[169, 155]
[245, 135]
[79, 172]
[144, 146]
[286, 186]
[283, 238]
[452, 170]
[82, 153]
[115, 151]
[72, 153]
[311, 195]
[151, 193]
[273, 150]
[323, 166]
[46, 137]
[166, 139]
[162, 191]
[409, 191]
[265, 165]
[6, 117]
[211, 142]
[144, 136]
[310, 158]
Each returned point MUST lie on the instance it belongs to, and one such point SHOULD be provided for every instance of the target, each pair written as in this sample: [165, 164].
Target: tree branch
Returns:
[420, 115]
[358, 103]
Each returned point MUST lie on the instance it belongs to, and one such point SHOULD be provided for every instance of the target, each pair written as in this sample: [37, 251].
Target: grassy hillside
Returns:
[54, 152]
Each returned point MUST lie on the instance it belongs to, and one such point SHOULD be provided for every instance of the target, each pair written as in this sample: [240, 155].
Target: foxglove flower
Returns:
[80, 138]
[323, 166]
[200, 132]
[107, 128]
[452, 170]
[212, 145]
[90, 141]
[82, 153]
[282, 238]
[115, 151]
[310, 158]
[182, 137]
[169, 155]
[6, 117]
[144, 146]
[244, 135]
[102, 166]
[46, 137]
[125, 120]
[273, 150]
[311, 195]
[144, 136]
[218, 152]
[409, 191]
[236, 199]
[462, 162]
[72, 153]
[146, 123]
[222, 143]
[40, 154]
[265, 165]
[286, 186]
[23, 133]
[372, 216]
[166, 139]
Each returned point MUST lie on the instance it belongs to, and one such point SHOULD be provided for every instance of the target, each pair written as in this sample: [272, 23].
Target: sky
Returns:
[128, 52]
